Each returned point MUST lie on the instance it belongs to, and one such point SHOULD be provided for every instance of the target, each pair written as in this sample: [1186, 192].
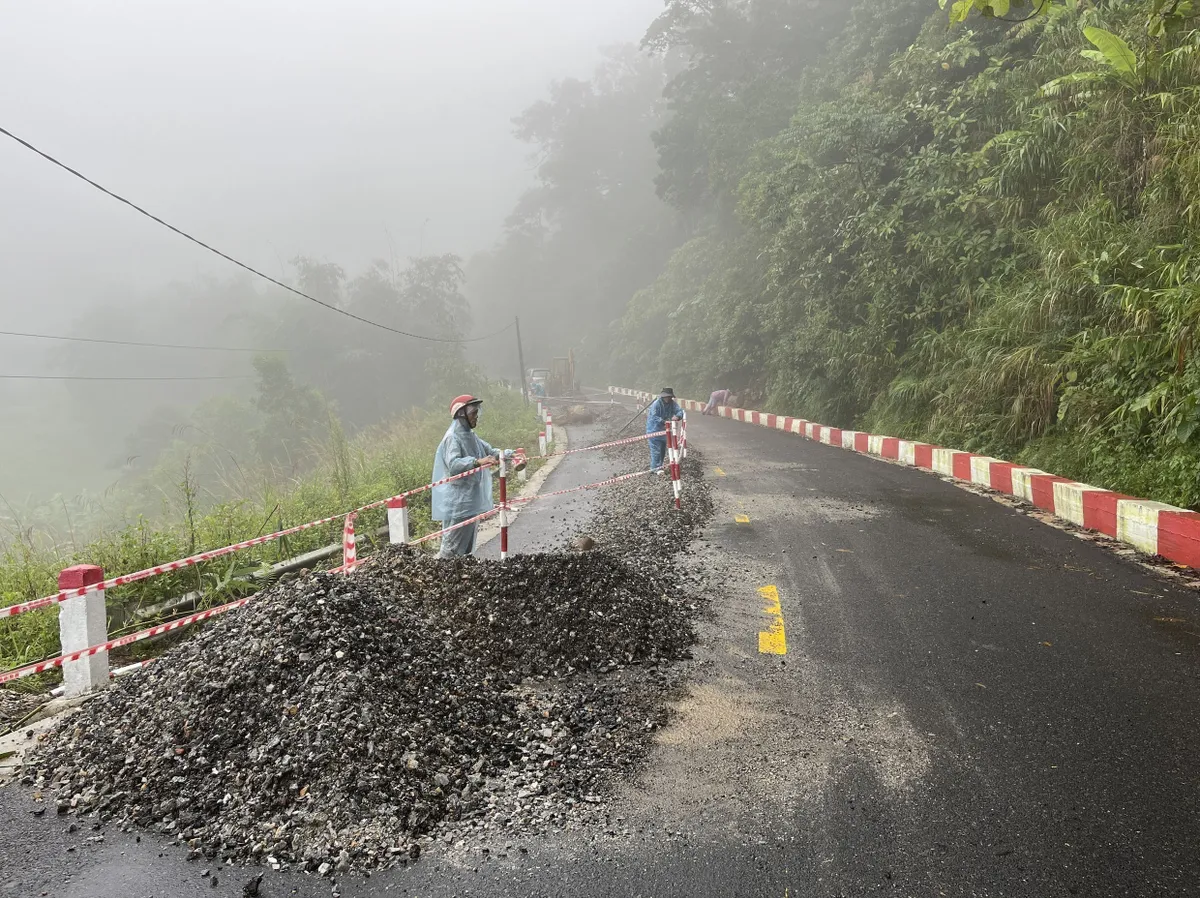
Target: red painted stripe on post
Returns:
[891, 449]
[1042, 487]
[787, 423]
[1179, 537]
[962, 465]
[1001, 476]
[862, 442]
[835, 437]
[770, 420]
[923, 456]
[1100, 510]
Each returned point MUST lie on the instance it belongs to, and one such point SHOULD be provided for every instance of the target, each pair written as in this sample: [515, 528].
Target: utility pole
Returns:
[521, 361]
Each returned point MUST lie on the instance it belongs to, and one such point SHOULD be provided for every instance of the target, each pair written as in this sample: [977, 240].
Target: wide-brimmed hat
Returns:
[667, 391]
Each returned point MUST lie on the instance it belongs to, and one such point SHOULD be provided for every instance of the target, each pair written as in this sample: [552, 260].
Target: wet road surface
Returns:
[970, 703]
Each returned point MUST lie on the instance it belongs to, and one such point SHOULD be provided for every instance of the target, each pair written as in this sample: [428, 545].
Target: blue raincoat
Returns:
[661, 411]
[459, 450]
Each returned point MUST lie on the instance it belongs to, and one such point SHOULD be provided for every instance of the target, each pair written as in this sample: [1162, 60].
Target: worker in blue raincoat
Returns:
[460, 500]
[661, 410]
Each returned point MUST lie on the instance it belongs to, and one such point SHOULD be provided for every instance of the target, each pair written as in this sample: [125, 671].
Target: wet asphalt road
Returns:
[972, 703]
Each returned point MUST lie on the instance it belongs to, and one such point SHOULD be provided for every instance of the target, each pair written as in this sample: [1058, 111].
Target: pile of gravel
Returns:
[638, 519]
[335, 720]
[547, 615]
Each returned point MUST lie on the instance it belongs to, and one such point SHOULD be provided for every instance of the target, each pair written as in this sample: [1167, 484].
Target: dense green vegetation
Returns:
[979, 230]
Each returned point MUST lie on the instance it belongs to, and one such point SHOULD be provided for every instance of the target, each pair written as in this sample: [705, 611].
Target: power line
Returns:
[229, 258]
[80, 377]
[135, 343]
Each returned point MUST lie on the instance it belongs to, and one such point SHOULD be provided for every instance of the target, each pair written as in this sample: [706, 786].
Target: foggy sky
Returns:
[268, 128]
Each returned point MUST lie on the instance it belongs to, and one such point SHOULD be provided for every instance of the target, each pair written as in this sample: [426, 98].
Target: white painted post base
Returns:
[82, 622]
[397, 512]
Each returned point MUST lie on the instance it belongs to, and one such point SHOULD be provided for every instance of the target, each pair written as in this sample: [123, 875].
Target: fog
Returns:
[268, 128]
[344, 133]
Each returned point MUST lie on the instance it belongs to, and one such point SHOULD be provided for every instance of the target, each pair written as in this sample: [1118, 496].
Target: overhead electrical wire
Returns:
[82, 377]
[135, 343]
[229, 258]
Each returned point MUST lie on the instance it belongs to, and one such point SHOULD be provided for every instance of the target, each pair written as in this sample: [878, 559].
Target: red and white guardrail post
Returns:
[349, 545]
[542, 443]
[82, 622]
[549, 427]
[397, 512]
[503, 507]
[673, 456]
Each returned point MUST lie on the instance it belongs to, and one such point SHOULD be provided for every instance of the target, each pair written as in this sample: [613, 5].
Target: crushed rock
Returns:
[341, 723]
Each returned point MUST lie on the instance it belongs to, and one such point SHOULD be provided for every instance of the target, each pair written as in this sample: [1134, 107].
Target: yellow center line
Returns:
[772, 641]
[742, 518]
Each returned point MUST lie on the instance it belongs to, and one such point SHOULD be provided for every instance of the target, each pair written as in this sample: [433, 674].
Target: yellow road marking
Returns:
[720, 473]
[772, 641]
[742, 518]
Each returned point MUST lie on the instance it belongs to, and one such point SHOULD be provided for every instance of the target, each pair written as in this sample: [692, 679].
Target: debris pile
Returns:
[638, 517]
[335, 720]
[547, 615]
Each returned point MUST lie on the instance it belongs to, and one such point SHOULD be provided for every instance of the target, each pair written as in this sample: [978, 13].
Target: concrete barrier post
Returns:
[82, 623]
[397, 512]
[549, 428]
[542, 443]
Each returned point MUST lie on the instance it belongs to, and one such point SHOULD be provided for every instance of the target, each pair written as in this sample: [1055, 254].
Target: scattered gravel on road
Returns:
[341, 723]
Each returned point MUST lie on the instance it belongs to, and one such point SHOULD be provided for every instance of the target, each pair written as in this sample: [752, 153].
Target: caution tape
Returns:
[575, 489]
[43, 666]
[609, 445]
[212, 554]
[158, 630]
[474, 520]
[201, 557]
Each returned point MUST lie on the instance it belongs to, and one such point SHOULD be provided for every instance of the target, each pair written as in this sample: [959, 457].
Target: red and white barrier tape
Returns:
[575, 489]
[201, 557]
[644, 436]
[476, 519]
[349, 558]
[113, 674]
[43, 666]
